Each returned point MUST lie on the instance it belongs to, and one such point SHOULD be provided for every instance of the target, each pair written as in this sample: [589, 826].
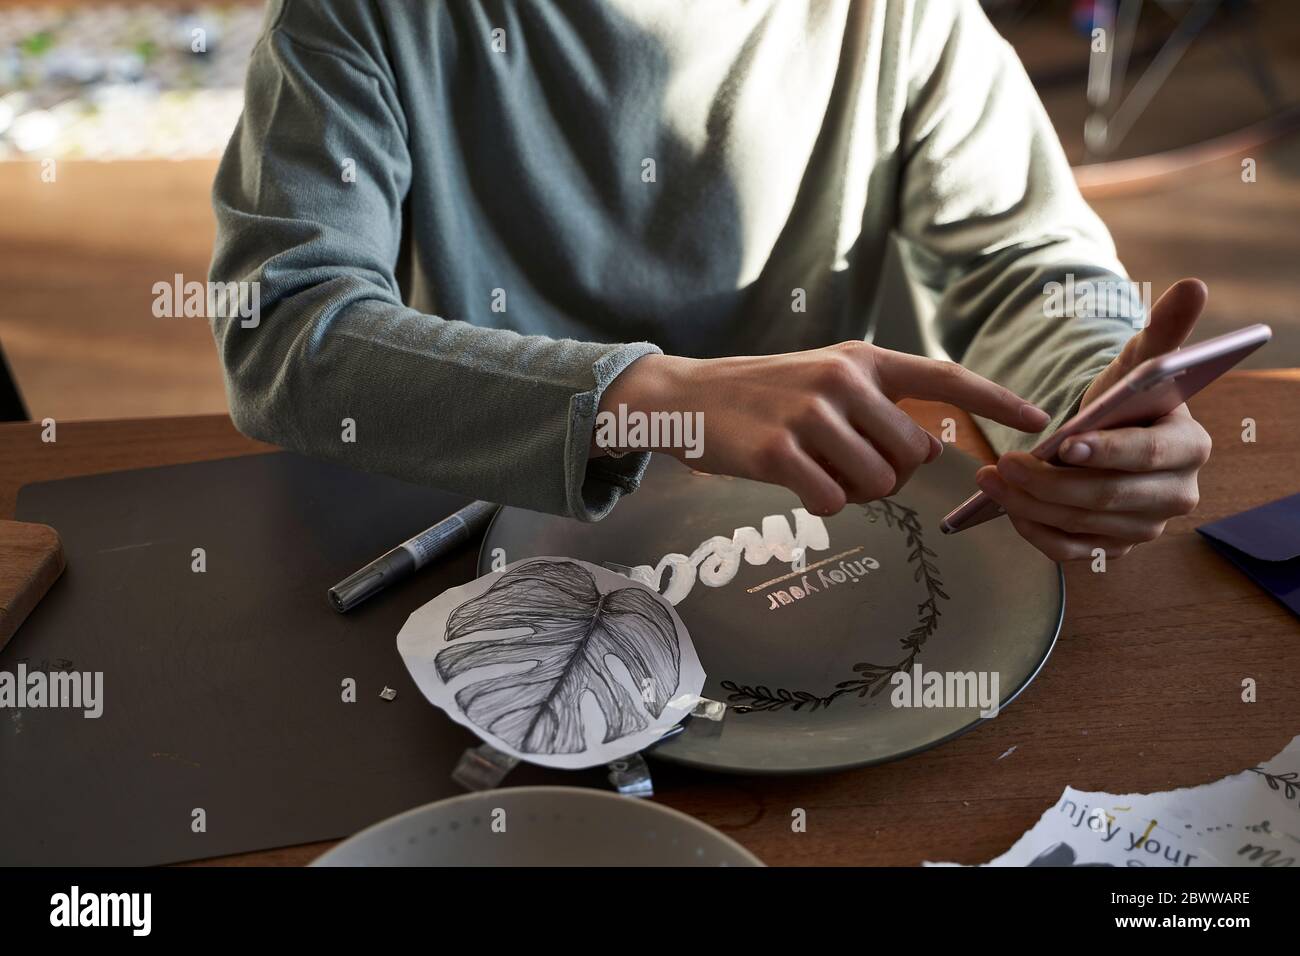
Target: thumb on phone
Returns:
[1172, 319]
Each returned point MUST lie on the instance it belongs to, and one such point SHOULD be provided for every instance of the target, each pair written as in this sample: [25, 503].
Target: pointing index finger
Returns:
[912, 376]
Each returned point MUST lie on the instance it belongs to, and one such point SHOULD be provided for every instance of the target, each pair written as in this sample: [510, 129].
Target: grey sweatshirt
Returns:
[466, 218]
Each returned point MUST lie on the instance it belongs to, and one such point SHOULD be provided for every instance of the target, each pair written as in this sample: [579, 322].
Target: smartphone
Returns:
[1148, 392]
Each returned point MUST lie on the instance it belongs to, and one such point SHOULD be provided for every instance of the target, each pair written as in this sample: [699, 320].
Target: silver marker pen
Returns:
[409, 556]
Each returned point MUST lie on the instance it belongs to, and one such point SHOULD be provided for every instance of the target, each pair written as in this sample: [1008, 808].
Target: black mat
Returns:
[222, 690]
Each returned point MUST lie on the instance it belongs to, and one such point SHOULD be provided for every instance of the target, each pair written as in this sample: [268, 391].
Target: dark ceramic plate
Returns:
[804, 652]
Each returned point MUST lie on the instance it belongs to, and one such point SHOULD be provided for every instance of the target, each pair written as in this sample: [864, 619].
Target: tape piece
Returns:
[483, 767]
[631, 777]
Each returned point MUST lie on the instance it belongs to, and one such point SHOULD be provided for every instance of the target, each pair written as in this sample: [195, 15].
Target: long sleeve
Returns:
[308, 201]
[990, 217]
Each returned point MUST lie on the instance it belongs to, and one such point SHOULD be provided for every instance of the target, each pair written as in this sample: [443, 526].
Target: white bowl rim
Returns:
[577, 793]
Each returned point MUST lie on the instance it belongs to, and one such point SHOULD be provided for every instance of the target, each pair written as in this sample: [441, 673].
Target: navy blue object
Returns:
[1264, 543]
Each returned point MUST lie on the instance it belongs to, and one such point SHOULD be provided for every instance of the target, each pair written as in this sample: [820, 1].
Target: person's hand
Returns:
[1125, 483]
[823, 423]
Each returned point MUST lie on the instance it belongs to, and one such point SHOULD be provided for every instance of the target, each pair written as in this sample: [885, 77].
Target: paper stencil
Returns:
[555, 661]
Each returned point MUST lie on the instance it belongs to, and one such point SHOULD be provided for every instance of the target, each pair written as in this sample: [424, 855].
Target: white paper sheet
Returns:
[1249, 819]
[555, 661]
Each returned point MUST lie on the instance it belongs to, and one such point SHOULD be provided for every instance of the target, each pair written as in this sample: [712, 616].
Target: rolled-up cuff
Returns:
[594, 485]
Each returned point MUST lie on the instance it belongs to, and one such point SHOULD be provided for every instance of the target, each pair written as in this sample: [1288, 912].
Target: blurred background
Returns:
[1184, 133]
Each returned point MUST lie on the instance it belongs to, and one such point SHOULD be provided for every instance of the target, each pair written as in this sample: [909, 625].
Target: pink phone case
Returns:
[1153, 389]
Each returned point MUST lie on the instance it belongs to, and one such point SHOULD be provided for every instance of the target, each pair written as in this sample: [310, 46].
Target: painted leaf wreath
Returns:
[571, 630]
[872, 678]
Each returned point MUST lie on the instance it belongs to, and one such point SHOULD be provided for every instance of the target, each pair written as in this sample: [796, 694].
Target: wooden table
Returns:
[1142, 693]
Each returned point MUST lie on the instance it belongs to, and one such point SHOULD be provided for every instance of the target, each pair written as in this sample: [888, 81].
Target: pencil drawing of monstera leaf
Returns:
[568, 630]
